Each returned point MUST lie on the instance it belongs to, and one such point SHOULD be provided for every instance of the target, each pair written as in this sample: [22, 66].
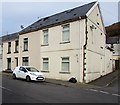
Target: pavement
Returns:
[104, 81]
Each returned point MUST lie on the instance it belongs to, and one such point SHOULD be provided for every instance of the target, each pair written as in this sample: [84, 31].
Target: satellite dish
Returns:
[21, 27]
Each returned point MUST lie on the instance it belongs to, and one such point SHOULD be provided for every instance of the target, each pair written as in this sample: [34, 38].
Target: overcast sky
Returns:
[14, 14]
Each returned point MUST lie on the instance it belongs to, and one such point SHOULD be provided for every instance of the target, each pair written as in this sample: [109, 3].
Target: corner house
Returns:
[67, 44]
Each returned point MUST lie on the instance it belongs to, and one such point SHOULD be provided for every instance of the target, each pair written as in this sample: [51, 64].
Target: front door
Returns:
[9, 63]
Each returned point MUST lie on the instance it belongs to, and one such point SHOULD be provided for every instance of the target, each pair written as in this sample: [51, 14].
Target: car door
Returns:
[22, 73]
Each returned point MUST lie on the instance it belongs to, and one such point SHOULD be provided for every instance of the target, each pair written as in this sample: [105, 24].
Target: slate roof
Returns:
[112, 40]
[60, 18]
[113, 30]
[113, 33]
[10, 37]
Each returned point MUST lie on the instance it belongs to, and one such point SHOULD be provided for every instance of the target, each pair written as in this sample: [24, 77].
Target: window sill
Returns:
[45, 71]
[9, 53]
[62, 72]
[65, 42]
[45, 45]
[16, 52]
[25, 50]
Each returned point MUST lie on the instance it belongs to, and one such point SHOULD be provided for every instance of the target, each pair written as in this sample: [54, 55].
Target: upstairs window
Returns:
[45, 37]
[66, 33]
[16, 46]
[9, 47]
[25, 44]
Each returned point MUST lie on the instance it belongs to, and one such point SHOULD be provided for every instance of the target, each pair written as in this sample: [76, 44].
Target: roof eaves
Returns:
[10, 37]
[51, 25]
[93, 7]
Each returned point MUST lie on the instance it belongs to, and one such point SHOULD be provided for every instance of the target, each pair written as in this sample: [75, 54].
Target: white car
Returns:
[28, 73]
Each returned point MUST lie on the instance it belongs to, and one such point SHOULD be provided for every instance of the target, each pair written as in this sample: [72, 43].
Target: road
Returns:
[20, 91]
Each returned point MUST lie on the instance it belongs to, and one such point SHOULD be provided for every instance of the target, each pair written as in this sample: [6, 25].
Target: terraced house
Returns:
[67, 44]
[10, 51]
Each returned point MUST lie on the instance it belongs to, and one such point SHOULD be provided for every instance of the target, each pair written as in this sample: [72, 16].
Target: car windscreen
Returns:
[32, 69]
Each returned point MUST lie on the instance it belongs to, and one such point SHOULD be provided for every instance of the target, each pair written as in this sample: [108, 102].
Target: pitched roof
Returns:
[113, 30]
[112, 40]
[113, 33]
[57, 19]
[10, 37]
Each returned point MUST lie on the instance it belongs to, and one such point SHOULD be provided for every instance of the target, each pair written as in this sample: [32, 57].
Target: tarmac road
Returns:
[20, 91]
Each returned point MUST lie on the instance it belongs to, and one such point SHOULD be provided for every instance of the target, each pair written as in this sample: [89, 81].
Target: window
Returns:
[9, 47]
[66, 33]
[25, 44]
[45, 64]
[45, 37]
[16, 45]
[22, 69]
[9, 63]
[25, 61]
[65, 64]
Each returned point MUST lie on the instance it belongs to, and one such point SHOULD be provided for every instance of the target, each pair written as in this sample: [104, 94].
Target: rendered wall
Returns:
[56, 49]
[96, 57]
[12, 55]
[33, 49]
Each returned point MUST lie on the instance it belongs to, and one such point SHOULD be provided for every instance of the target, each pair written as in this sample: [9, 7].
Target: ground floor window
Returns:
[9, 63]
[25, 61]
[65, 64]
[45, 64]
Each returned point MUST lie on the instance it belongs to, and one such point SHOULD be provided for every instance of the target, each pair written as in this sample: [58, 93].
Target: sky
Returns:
[14, 13]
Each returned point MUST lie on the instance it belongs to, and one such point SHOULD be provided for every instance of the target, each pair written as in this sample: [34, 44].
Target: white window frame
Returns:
[65, 61]
[65, 28]
[25, 44]
[45, 61]
[45, 34]
[24, 63]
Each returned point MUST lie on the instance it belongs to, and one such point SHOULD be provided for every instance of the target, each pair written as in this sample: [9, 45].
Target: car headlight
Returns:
[33, 74]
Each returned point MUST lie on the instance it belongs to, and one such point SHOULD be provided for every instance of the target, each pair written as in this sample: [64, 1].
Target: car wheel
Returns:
[14, 76]
[28, 78]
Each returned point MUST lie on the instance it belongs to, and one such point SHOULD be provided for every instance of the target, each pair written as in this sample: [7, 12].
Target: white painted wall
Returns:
[55, 50]
[33, 49]
[95, 53]
[108, 62]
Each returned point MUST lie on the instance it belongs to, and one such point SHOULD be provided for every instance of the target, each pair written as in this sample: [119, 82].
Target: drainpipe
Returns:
[84, 49]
